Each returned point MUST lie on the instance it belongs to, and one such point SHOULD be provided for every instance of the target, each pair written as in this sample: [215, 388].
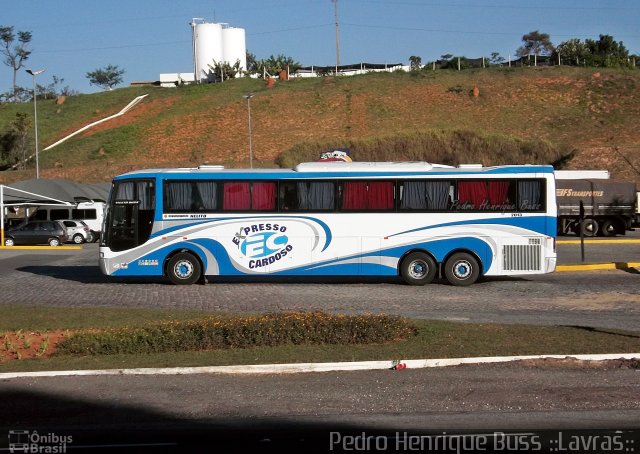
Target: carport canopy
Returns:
[41, 192]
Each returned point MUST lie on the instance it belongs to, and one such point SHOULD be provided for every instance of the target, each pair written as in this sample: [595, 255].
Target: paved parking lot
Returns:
[609, 299]
[620, 249]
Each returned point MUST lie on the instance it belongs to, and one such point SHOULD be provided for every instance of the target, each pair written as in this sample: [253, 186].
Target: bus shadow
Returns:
[83, 275]
[91, 275]
[394, 280]
[489, 279]
[303, 280]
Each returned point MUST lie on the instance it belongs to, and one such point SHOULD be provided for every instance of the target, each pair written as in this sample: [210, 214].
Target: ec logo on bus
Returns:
[264, 243]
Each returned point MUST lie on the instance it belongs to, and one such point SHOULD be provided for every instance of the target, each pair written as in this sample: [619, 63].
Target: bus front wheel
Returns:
[418, 268]
[184, 269]
[461, 269]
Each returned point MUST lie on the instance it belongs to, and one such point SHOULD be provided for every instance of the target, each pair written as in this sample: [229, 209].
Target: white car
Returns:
[77, 231]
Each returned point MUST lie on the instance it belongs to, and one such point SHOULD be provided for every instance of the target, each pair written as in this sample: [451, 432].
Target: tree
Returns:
[415, 62]
[54, 89]
[252, 63]
[444, 61]
[536, 44]
[107, 77]
[273, 65]
[573, 51]
[449, 61]
[15, 142]
[496, 58]
[221, 71]
[14, 56]
[607, 52]
[20, 128]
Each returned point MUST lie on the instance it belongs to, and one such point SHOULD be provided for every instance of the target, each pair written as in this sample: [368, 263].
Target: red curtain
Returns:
[236, 196]
[354, 196]
[263, 196]
[473, 192]
[380, 195]
[373, 195]
[498, 192]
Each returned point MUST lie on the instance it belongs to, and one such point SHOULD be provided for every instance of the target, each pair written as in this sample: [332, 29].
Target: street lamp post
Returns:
[248, 98]
[35, 115]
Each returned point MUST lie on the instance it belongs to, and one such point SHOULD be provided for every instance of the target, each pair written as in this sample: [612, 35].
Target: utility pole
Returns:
[35, 114]
[335, 10]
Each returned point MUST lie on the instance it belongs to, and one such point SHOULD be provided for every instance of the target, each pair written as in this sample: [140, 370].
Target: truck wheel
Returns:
[418, 268]
[461, 269]
[608, 228]
[183, 269]
[589, 227]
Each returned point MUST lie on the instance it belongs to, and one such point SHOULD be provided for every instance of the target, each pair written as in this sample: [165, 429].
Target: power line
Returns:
[169, 43]
[467, 32]
[306, 27]
[89, 49]
[477, 5]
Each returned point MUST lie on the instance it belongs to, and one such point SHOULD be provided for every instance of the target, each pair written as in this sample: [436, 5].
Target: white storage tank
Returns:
[234, 46]
[207, 48]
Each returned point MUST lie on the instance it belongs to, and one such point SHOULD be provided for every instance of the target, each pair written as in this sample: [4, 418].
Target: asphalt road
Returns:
[315, 412]
[600, 251]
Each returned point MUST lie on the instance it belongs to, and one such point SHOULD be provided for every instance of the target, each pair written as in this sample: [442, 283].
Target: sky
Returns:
[149, 37]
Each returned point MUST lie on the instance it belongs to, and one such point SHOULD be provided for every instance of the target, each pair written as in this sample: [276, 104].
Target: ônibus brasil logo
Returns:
[263, 244]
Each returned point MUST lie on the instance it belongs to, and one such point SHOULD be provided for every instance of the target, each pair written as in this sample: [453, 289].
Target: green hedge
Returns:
[218, 333]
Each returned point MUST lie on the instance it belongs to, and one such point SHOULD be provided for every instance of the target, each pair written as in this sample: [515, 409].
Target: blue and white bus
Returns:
[414, 220]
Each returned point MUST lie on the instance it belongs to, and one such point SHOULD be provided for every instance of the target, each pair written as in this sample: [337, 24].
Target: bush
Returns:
[218, 333]
[436, 146]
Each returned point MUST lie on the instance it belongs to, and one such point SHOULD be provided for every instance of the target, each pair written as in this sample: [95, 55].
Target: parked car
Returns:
[91, 213]
[77, 231]
[52, 233]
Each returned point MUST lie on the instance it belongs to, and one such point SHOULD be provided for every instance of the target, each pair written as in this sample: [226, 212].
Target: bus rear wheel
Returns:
[418, 268]
[461, 269]
[184, 269]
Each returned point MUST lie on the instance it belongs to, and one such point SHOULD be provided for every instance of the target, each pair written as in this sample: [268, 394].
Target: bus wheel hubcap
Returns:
[418, 269]
[183, 269]
[462, 269]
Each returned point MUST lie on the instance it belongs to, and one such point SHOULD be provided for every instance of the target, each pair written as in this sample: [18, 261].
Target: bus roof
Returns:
[342, 169]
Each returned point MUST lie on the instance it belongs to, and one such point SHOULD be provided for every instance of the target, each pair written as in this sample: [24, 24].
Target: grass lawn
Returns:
[434, 339]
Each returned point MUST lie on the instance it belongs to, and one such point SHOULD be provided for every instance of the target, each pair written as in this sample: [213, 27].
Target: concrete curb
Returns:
[598, 266]
[313, 367]
[592, 241]
[40, 248]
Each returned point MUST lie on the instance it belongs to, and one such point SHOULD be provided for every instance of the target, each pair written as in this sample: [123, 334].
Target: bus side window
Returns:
[288, 197]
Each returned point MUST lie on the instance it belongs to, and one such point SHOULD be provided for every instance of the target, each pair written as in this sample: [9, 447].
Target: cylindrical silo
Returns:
[208, 48]
[234, 47]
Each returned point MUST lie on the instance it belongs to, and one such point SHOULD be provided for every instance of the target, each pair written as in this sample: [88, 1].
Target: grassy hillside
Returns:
[594, 114]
